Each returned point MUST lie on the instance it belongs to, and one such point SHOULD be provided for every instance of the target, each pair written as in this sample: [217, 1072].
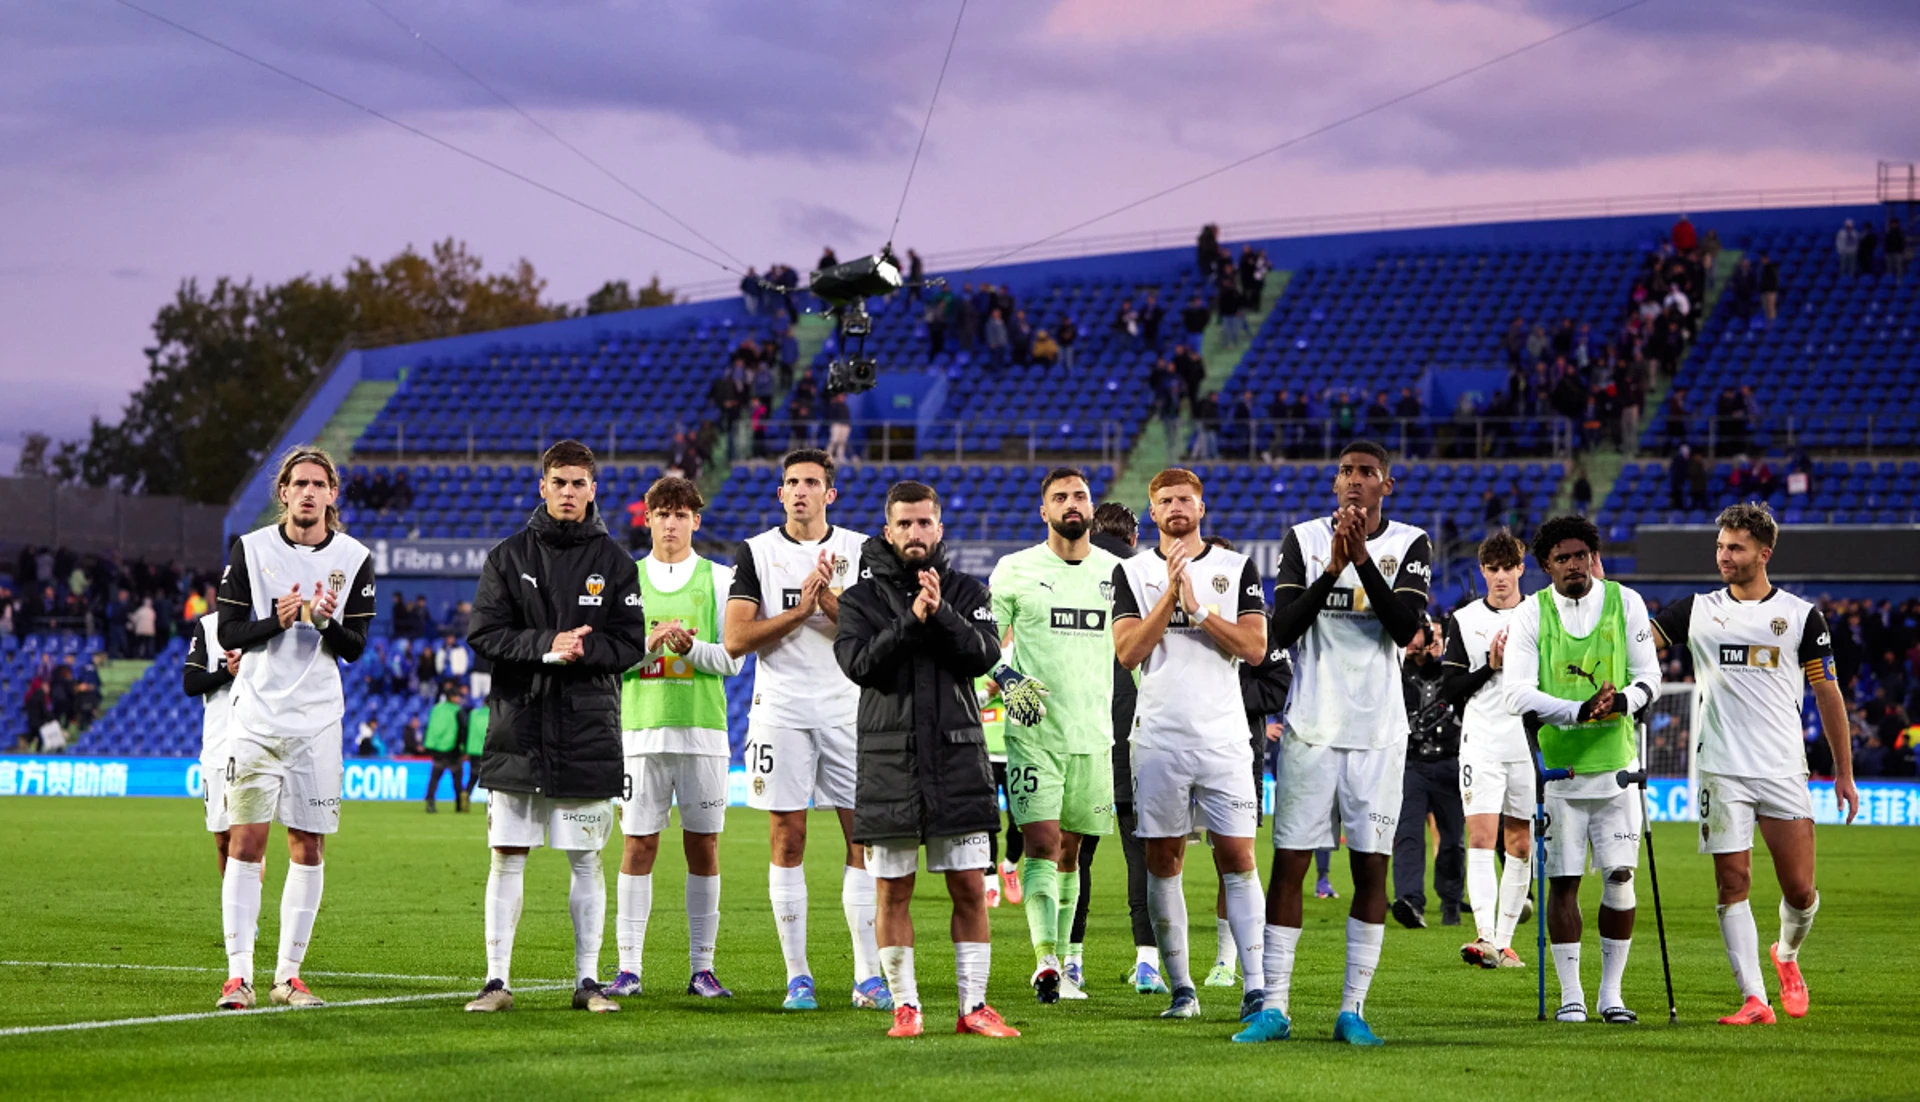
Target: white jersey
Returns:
[797, 682]
[1189, 687]
[206, 653]
[1753, 660]
[290, 684]
[1488, 731]
[1346, 668]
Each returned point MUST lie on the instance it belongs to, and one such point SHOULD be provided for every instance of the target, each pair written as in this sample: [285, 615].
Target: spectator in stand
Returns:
[1164, 383]
[460, 619]
[965, 319]
[1685, 238]
[1193, 319]
[6, 611]
[839, 426]
[1896, 249]
[764, 383]
[1746, 288]
[39, 706]
[1066, 333]
[1514, 343]
[145, 622]
[1710, 253]
[1697, 481]
[422, 618]
[1207, 249]
[750, 292]
[452, 659]
[1254, 267]
[1678, 472]
[379, 492]
[118, 611]
[400, 616]
[1869, 252]
[410, 738]
[1582, 490]
[1380, 418]
[402, 498]
[997, 340]
[1192, 371]
[1538, 344]
[1152, 316]
[1045, 350]
[355, 491]
[1730, 420]
[1020, 338]
[1126, 323]
[1769, 287]
[366, 742]
[1227, 300]
[916, 276]
[1846, 244]
[636, 524]
[1206, 427]
[935, 313]
[827, 259]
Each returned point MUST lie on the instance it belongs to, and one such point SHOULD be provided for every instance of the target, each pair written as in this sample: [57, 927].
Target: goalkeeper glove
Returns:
[1022, 695]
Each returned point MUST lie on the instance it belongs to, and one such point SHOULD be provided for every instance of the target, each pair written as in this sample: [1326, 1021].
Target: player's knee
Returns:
[1617, 892]
[585, 862]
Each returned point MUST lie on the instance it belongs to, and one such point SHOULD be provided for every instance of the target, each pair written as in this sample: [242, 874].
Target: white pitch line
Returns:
[162, 1019]
[199, 968]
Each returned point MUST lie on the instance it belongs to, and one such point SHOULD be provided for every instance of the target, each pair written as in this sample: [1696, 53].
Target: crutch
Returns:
[1629, 779]
[1541, 775]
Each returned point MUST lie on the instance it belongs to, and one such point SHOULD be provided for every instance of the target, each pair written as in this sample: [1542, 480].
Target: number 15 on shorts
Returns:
[760, 759]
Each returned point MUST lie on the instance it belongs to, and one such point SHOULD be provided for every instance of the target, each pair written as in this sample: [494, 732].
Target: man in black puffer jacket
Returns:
[558, 614]
[915, 634]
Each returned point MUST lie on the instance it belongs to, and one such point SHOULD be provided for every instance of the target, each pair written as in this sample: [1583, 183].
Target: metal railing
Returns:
[1321, 438]
[1852, 433]
[882, 440]
[1369, 221]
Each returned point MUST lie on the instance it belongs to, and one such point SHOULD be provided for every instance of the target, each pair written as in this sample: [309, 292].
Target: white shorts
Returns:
[1496, 787]
[525, 820]
[292, 779]
[1321, 785]
[654, 782]
[1730, 806]
[1178, 792]
[793, 768]
[1608, 825]
[213, 790]
[893, 859]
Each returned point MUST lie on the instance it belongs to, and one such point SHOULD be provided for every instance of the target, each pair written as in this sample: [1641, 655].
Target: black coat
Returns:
[555, 729]
[922, 768]
[1126, 695]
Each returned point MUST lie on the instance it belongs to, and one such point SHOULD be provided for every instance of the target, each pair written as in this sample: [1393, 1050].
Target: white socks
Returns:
[505, 889]
[703, 921]
[1794, 924]
[1363, 957]
[1613, 965]
[1246, 920]
[299, 903]
[1483, 886]
[587, 902]
[971, 962]
[633, 902]
[1566, 965]
[240, 914]
[896, 964]
[1743, 947]
[787, 888]
[1224, 948]
[1147, 954]
[1279, 945]
[1167, 907]
[1516, 880]
[859, 901]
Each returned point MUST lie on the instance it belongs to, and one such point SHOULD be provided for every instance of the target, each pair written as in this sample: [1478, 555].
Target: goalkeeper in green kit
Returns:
[1055, 603]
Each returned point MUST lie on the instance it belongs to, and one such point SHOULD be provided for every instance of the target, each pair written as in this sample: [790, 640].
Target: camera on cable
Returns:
[845, 289]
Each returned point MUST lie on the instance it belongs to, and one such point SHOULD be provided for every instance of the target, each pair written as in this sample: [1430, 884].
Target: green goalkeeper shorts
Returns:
[1075, 789]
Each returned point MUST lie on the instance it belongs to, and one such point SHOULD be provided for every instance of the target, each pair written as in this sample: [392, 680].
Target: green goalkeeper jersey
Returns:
[1061, 616]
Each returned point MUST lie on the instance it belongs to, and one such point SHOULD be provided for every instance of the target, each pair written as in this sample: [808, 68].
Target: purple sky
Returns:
[132, 156]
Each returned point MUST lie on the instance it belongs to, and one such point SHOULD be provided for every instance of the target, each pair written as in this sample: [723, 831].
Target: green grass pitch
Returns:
[131, 882]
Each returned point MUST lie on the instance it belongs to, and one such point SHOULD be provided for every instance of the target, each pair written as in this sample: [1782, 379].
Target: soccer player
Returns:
[1580, 658]
[295, 600]
[993, 725]
[1755, 651]
[558, 614]
[1116, 530]
[211, 679]
[673, 710]
[1351, 591]
[784, 606]
[1054, 602]
[915, 635]
[1187, 615]
[446, 741]
[1496, 770]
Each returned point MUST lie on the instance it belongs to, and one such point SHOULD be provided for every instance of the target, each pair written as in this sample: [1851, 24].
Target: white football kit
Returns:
[284, 757]
[1345, 749]
[1584, 812]
[800, 731]
[688, 765]
[1496, 770]
[206, 653]
[1753, 661]
[1189, 737]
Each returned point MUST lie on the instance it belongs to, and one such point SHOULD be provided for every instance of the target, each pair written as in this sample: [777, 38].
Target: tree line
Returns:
[229, 361]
